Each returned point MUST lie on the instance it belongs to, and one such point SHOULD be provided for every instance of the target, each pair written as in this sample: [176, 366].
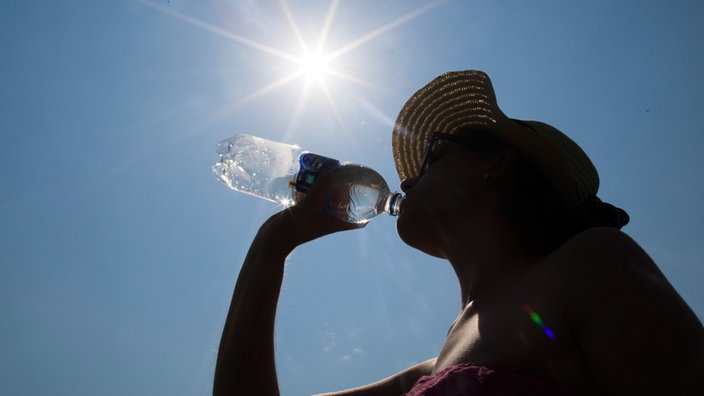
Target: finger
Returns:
[322, 184]
[316, 196]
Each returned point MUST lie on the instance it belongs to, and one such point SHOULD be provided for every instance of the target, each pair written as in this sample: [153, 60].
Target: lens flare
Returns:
[539, 321]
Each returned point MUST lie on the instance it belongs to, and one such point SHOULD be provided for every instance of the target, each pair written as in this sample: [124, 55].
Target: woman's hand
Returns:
[307, 220]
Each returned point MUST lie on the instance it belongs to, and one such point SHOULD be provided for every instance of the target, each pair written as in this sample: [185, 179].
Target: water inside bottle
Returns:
[357, 193]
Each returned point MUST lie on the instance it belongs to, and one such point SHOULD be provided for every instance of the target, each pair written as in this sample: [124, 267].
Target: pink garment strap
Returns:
[473, 380]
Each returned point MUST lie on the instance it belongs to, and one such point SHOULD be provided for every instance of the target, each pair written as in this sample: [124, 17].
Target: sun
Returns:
[310, 63]
[314, 66]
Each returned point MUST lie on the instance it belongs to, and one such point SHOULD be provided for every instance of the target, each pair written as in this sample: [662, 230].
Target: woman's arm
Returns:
[245, 364]
[396, 384]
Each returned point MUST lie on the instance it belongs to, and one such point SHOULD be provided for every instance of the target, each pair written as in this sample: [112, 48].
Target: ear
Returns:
[501, 164]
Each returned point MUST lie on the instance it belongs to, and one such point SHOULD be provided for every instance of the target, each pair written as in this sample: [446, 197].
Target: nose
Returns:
[408, 184]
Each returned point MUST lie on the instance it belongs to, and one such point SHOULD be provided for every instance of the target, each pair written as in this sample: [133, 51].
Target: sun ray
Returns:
[294, 26]
[351, 78]
[374, 111]
[268, 88]
[220, 32]
[298, 111]
[313, 62]
[333, 107]
[326, 25]
[383, 29]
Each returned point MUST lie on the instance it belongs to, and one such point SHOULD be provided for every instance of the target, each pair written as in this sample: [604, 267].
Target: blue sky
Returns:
[119, 250]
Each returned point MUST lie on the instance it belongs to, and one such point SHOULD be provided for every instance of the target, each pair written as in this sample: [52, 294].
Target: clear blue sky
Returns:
[119, 250]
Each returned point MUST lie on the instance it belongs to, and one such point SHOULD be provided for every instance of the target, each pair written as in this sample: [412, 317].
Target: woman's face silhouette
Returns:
[450, 191]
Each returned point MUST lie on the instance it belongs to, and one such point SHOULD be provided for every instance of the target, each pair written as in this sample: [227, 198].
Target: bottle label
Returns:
[312, 165]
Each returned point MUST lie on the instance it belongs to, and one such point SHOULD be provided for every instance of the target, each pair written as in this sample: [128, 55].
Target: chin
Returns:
[419, 235]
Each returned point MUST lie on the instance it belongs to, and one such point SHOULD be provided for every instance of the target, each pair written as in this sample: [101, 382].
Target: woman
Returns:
[556, 300]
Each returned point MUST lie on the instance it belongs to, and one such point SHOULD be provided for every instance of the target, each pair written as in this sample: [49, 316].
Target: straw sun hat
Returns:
[462, 99]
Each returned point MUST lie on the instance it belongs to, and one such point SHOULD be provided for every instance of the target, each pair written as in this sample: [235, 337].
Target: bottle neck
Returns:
[393, 203]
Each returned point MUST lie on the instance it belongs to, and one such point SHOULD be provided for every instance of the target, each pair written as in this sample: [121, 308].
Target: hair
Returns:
[531, 200]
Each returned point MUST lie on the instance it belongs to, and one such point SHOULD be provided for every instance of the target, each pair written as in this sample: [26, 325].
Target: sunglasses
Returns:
[432, 144]
[482, 143]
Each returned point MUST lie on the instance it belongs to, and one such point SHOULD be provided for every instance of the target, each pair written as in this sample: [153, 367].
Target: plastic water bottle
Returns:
[283, 173]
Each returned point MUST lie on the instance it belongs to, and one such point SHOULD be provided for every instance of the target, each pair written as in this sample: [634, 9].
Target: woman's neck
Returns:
[485, 257]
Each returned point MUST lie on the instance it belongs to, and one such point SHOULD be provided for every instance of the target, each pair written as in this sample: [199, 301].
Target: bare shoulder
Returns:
[596, 257]
[637, 334]
[604, 243]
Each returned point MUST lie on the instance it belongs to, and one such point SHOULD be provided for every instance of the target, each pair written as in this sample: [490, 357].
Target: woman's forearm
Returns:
[245, 364]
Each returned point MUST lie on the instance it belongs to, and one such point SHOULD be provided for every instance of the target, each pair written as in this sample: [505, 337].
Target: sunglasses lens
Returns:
[428, 153]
